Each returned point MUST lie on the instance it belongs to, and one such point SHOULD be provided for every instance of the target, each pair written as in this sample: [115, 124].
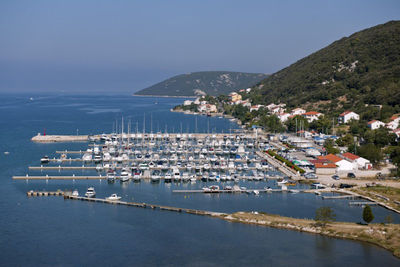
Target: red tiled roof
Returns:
[345, 113]
[325, 165]
[370, 122]
[311, 113]
[350, 156]
[331, 157]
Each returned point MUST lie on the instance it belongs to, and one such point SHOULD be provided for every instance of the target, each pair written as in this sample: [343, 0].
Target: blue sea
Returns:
[48, 231]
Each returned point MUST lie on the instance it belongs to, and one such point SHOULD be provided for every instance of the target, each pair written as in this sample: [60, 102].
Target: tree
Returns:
[371, 152]
[329, 146]
[367, 214]
[323, 215]
[297, 122]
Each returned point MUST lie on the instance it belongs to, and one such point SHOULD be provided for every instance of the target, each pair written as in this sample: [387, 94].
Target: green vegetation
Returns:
[367, 214]
[287, 162]
[329, 147]
[324, 215]
[355, 72]
[209, 82]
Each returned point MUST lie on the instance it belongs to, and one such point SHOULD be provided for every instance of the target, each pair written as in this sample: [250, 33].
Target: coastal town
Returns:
[324, 153]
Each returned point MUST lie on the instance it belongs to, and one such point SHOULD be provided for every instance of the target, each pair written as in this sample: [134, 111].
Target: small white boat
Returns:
[281, 182]
[90, 192]
[113, 197]
[75, 193]
[256, 192]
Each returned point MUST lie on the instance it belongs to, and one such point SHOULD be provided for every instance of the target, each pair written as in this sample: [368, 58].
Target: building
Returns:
[311, 116]
[255, 107]
[197, 101]
[328, 168]
[235, 97]
[358, 162]
[297, 111]
[207, 108]
[187, 102]
[342, 164]
[397, 132]
[283, 116]
[375, 124]
[394, 123]
[346, 116]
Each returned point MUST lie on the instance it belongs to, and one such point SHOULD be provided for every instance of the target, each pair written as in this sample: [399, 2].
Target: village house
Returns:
[375, 124]
[311, 116]
[207, 108]
[397, 132]
[346, 116]
[187, 102]
[255, 107]
[283, 116]
[358, 162]
[297, 111]
[394, 123]
[235, 97]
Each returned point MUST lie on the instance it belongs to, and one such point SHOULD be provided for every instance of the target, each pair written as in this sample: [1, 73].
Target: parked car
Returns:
[335, 177]
[351, 175]
[310, 175]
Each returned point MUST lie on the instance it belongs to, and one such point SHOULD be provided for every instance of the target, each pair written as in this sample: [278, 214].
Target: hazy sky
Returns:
[123, 46]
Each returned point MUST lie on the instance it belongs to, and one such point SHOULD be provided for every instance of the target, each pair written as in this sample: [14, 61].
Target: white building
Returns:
[311, 116]
[342, 164]
[187, 102]
[375, 124]
[255, 107]
[283, 116]
[394, 123]
[297, 111]
[358, 162]
[346, 116]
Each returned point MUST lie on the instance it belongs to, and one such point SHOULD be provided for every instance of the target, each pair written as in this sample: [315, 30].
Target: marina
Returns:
[134, 230]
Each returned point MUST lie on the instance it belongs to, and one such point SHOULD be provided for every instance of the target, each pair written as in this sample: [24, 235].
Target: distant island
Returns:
[203, 83]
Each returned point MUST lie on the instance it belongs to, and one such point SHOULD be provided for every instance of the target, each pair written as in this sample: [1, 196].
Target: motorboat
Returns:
[90, 192]
[125, 175]
[45, 159]
[113, 197]
[75, 193]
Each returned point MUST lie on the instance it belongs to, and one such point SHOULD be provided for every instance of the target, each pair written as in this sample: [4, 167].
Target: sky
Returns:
[124, 46]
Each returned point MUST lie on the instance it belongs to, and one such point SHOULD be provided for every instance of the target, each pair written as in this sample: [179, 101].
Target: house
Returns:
[283, 116]
[297, 111]
[394, 123]
[207, 108]
[197, 101]
[248, 90]
[375, 124]
[397, 132]
[235, 97]
[187, 102]
[311, 116]
[346, 116]
[255, 107]
[325, 168]
[342, 164]
[358, 162]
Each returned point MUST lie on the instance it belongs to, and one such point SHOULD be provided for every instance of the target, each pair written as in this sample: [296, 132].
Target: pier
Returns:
[145, 205]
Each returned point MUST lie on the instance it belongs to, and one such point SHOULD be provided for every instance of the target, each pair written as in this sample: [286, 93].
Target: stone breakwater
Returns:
[59, 138]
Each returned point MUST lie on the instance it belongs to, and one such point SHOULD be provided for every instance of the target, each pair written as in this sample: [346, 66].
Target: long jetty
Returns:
[146, 205]
[279, 165]
[84, 138]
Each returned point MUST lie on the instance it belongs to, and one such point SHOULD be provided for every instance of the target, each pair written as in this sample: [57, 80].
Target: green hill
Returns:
[350, 73]
[205, 82]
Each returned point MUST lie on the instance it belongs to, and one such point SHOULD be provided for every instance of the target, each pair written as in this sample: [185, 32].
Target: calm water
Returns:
[51, 230]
